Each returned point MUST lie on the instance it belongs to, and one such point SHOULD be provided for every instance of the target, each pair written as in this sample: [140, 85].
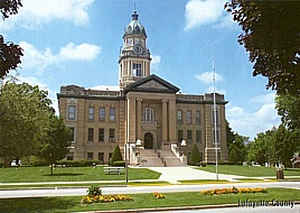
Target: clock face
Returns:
[137, 49]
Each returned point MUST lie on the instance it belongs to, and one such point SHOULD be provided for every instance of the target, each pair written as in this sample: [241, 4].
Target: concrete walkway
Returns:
[174, 174]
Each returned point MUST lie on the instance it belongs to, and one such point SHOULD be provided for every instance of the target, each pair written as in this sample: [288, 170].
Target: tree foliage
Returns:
[10, 53]
[288, 107]
[195, 155]
[24, 111]
[55, 142]
[237, 146]
[116, 155]
[274, 146]
[271, 35]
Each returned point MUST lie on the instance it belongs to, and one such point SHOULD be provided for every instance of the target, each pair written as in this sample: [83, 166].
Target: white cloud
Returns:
[83, 52]
[204, 12]
[37, 12]
[220, 91]
[155, 59]
[40, 59]
[105, 87]
[250, 123]
[207, 77]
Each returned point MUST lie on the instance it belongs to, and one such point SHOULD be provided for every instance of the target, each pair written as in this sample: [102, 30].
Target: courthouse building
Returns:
[146, 109]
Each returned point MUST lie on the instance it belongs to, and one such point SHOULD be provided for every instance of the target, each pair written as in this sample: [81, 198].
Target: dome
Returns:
[135, 27]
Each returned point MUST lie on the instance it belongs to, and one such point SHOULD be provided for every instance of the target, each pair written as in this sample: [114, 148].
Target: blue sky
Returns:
[78, 42]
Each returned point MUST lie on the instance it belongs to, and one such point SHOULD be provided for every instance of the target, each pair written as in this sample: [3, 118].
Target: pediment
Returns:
[152, 83]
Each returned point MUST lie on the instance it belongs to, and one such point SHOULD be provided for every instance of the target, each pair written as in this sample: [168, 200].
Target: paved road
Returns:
[244, 210]
[140, 189]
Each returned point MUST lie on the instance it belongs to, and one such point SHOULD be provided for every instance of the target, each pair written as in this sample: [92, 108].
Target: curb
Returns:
[162, 209]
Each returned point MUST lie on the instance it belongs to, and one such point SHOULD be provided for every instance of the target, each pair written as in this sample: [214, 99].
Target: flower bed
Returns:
[159, 195]
[104, 199]
[232, 190]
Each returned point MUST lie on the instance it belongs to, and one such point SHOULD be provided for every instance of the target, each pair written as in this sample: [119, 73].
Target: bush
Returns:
[116, 155]
[78, 163]
[94, 190]
[195, 158]
[119, 163]
[35, 161]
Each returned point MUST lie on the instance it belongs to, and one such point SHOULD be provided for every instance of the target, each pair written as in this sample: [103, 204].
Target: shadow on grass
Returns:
[28, 205]
[64, 174]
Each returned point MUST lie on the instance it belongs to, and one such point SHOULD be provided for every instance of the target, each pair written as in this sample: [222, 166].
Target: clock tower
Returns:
[134, 61]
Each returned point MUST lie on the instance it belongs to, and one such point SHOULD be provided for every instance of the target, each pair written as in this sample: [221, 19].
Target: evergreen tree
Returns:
[116, 155]
[195, 155]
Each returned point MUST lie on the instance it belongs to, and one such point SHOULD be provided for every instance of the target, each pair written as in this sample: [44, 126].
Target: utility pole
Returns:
[215, 119]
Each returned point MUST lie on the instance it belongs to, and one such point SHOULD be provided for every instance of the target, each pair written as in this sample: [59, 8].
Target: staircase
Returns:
[170, 158]
[149, 158]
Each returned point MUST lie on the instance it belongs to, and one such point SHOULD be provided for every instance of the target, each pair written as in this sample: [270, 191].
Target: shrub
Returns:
[94, 190]
[78, 163]
[118, 163]
[35, 161]
[116, 155]
[195, 156]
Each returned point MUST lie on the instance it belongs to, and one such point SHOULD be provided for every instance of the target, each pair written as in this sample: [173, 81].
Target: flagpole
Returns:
[215, 120]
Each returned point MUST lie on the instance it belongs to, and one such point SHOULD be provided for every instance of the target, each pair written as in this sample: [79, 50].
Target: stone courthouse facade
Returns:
[146, 108]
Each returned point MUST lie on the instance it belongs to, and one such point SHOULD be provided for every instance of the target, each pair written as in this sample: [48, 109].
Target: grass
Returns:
[187, 182]
[42, 174]
[72, 204]
[51, 186]
[252, 180]
[252, 171]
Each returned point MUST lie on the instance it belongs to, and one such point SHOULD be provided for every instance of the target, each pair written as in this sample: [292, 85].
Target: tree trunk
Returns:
[51, 169]
[6, 163]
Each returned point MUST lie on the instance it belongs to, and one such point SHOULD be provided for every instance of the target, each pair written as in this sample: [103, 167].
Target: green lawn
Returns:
[187, 182]
[72, 204]
[253, 171]
[42, 174]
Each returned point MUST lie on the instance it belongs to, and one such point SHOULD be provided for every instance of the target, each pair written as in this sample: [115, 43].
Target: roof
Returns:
[152, 83]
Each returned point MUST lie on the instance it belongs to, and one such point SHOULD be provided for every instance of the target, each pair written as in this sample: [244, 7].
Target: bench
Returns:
[113, 170]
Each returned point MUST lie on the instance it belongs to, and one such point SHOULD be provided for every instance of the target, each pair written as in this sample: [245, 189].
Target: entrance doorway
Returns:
[148, 141]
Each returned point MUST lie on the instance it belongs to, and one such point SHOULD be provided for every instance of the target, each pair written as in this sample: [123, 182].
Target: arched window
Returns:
[148, 114]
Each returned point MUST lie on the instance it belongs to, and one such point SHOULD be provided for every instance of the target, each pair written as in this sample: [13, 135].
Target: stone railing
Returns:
[179, 154]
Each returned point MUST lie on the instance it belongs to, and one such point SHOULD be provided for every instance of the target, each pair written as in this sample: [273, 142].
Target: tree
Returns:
[261, 150]
[24, 113]
[238, 149]
[56, 141]
[288, 107]
[116, 155]
[195, 155]
[271, 35]
[285, 145]
[10, 53]
[229, 134]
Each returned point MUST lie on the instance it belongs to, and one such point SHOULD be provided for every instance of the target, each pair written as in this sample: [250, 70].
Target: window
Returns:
[72, 113]
[148, 114]
[73, 134]
[213, 116]
[198, 117]
[112, 114]
[137, 69]
[189, 117]
[101, 156]
[90, 134]
[190, 136]
[111, 135]
[180, 135]
[101, 135]
[91, 113]
[198, 136]
[179, 116]
[70, 156]
[90, 155]
[218, 136]
[102, 114]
